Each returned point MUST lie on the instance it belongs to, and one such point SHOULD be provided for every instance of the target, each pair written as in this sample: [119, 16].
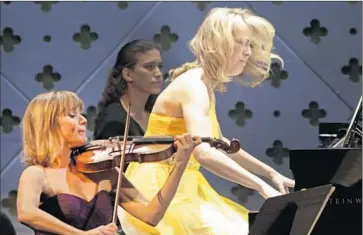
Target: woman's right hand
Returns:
[185, 146]
[110, 229]
[266, 191]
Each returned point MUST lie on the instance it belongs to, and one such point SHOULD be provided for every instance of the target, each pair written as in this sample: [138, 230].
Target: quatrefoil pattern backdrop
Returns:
[73, 45]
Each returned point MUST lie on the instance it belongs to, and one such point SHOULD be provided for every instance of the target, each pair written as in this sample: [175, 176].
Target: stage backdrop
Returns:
[72, 46]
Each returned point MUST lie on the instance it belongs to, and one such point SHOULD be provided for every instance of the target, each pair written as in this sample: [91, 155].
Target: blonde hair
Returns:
[214, 43]
[42, 140]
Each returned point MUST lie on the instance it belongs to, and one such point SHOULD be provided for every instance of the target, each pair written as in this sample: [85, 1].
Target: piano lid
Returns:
[315, 167]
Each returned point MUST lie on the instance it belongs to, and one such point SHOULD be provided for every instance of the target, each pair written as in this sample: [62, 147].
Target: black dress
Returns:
[112, 122]
[77, 212]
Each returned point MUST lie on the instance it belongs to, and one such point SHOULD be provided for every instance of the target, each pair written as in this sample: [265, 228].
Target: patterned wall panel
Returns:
[330, 43]
[75, 26]
[172, 31]
[74, 45]
[13, 104]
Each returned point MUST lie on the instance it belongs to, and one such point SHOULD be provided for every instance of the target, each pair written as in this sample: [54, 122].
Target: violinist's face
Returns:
[147, 76]
[73, 128]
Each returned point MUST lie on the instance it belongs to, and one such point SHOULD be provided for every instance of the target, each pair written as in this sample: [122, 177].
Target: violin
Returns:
[103, 155]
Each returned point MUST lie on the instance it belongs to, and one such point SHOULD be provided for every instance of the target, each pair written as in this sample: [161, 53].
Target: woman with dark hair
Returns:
[137, 78]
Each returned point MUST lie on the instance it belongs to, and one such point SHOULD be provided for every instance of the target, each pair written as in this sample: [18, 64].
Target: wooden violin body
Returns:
[102, 155]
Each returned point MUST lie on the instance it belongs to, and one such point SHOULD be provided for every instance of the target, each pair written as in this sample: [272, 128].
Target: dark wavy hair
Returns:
[116, 85]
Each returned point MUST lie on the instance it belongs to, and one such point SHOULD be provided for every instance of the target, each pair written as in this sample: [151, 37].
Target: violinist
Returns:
[229, 43]
[78, 203]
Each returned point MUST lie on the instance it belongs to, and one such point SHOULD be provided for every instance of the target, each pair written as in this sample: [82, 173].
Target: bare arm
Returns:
[255, 166]
[251, 163]
[195, 106]
[150, 212]
[31, 185]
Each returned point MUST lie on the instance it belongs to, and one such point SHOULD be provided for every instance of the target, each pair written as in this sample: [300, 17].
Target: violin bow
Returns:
[122, 162]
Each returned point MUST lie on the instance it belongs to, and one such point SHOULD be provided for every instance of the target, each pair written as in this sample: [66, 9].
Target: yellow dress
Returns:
[197, 209]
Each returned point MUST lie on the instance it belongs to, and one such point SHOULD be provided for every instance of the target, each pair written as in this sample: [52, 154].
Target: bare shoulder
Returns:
[191, 82]
[33, 172]
[190, 87]
[33, 175]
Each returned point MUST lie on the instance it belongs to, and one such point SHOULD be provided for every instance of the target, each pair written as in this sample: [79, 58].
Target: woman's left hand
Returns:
[282, 183]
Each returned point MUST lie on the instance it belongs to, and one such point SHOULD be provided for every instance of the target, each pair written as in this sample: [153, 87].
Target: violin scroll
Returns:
[231, 148]
[235, 146]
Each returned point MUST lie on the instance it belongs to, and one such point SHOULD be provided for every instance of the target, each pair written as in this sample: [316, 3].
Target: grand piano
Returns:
[337, 161]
